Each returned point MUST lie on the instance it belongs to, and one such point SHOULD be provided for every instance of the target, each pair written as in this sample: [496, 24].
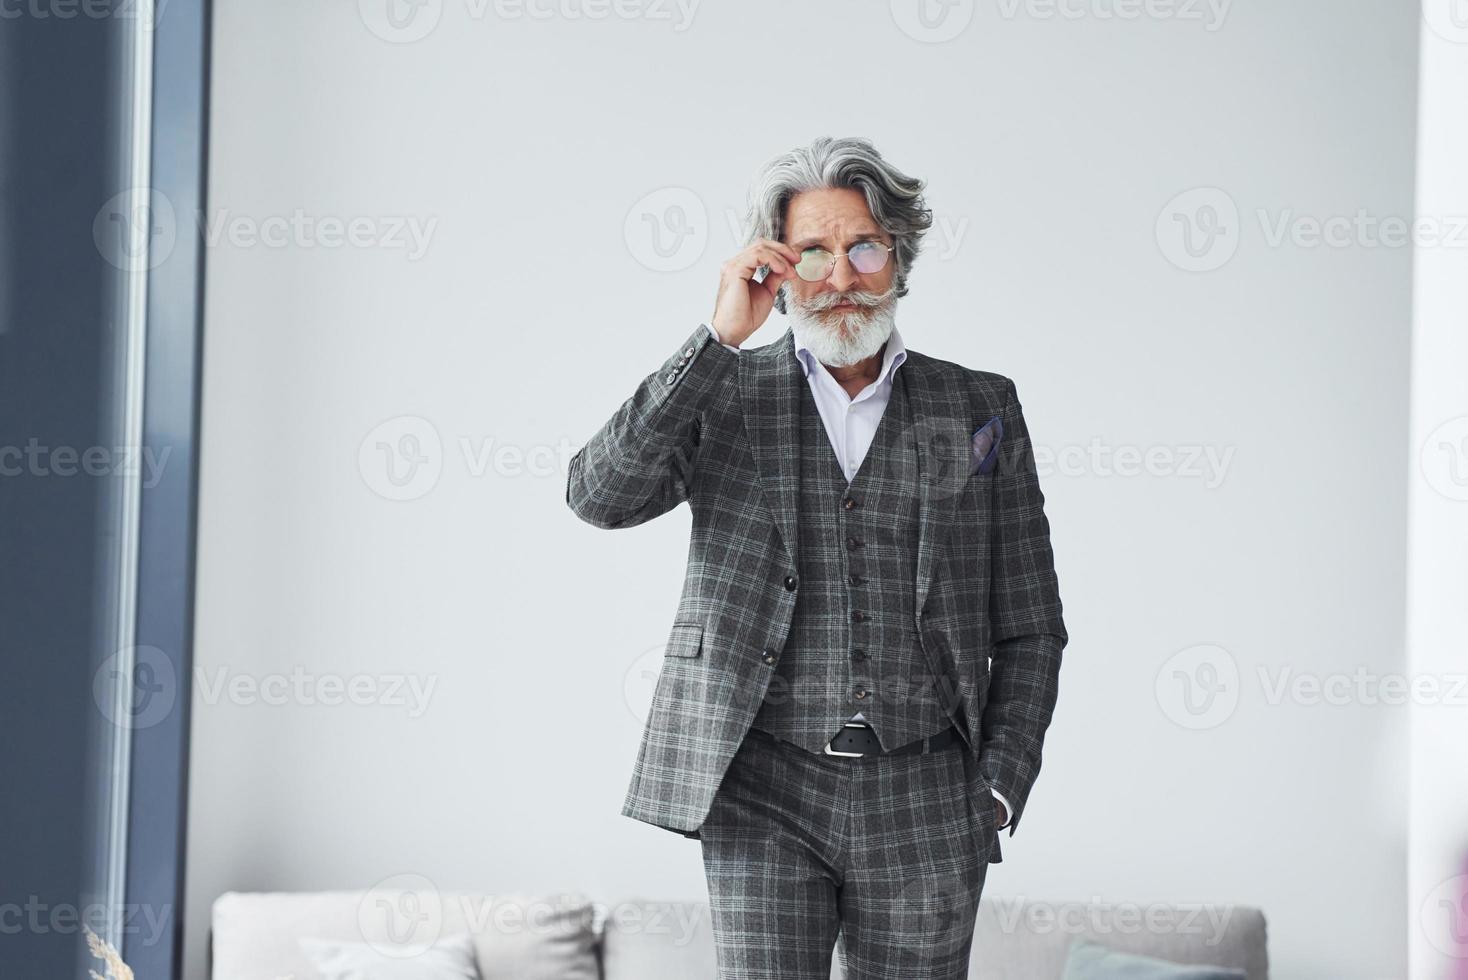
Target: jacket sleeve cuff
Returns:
[716, 337]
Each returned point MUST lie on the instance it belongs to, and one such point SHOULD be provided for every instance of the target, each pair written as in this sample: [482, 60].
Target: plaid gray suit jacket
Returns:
[718, 429]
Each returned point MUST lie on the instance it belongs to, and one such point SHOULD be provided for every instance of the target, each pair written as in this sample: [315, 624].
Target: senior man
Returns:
[865, 656]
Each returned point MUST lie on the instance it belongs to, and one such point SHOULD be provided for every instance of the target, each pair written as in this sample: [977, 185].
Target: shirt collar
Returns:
[892, 357]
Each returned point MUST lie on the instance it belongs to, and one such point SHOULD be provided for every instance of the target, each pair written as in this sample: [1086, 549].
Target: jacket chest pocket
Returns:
[685, 640]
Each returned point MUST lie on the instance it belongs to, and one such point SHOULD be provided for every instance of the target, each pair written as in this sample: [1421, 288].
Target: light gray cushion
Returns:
[450, 958]
[1018, 939]
[256, 935]
[649, 939]
[1092, 961]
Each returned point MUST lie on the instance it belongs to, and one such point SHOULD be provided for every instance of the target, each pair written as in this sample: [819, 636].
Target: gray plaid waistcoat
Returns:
[852, 646]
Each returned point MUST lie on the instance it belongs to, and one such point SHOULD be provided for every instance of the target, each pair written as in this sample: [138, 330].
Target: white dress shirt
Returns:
[851, 423]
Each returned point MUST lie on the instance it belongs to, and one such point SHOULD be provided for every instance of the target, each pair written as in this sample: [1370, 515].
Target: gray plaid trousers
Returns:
[888, 854]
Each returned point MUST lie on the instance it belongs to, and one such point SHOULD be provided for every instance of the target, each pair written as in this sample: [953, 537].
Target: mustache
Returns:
[826, 301]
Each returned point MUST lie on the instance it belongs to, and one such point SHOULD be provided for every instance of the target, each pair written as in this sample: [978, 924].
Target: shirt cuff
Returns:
[1008, 810]
[716, 337]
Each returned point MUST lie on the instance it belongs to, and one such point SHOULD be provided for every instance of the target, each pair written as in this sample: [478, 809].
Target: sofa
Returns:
[568, 936]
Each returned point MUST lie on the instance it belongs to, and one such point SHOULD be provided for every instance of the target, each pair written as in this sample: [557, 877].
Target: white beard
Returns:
[843, 339]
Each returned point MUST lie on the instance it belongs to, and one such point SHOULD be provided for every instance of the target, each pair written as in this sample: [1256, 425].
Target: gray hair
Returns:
[894, 198]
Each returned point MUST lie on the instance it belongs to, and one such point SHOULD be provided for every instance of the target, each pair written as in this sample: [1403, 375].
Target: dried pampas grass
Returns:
[112, 959]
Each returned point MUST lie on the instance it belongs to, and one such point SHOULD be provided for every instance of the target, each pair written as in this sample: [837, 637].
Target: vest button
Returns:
[855, 579]
[858, 655]
[848, 503]
[860, 693]
[853, 543]
[769, 655]
[790, 583]
[857, 616]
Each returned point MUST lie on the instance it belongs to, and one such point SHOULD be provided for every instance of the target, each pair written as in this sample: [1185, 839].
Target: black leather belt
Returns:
[858, 738]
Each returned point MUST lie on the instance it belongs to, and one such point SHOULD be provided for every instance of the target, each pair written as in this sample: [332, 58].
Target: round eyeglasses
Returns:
[865, 257]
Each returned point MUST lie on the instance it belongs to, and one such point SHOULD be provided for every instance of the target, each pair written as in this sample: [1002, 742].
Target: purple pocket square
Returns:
[985, 444]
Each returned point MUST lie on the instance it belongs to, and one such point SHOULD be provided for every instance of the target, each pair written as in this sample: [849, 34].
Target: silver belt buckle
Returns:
[852, 755]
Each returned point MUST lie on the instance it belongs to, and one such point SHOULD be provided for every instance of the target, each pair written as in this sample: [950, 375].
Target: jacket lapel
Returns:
[940, 441]
[769, 392]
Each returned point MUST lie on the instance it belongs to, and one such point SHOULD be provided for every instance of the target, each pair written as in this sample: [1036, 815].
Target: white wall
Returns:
[1437, 475]
[1055, 148]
